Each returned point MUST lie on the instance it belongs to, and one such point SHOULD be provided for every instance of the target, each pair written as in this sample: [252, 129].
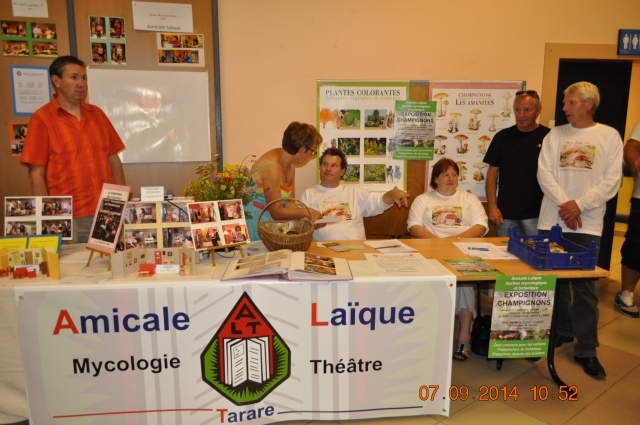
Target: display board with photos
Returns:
[217, 223]
[157, 224]
[29, 39]
[108, 40]
[39, 215]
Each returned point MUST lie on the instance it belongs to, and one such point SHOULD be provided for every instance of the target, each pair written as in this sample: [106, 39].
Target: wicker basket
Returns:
[295, 235]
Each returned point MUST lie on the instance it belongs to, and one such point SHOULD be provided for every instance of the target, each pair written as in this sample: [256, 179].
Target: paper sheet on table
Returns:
[389, 246]
[413, 264]
[484, 250]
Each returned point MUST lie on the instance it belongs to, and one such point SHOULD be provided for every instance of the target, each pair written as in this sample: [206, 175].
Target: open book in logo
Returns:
[246, 359]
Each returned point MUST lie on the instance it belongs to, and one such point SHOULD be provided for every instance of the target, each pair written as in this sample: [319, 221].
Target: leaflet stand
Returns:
[212, 250]
[102, 254]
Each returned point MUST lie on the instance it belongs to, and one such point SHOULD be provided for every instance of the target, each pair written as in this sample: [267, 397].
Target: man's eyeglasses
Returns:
[527, 93]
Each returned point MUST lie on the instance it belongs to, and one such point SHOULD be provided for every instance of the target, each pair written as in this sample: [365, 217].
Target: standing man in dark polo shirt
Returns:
[513, 162]
[71, 147]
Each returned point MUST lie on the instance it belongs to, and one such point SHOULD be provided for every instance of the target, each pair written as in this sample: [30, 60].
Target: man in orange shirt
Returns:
[71, 148]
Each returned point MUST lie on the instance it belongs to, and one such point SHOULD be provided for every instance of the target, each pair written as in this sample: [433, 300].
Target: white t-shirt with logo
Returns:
[581, 164]
[348, 201]
[447, 215]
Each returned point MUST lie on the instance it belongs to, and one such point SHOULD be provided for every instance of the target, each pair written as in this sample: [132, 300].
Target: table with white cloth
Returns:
[202, 350]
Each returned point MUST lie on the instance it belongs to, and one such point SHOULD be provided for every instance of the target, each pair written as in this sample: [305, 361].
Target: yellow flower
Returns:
[223, 187]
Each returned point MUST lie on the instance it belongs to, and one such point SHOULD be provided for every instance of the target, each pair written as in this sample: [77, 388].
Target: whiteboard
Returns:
[161, 116]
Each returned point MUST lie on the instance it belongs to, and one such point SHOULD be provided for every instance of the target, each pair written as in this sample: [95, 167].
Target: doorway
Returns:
[613, 78]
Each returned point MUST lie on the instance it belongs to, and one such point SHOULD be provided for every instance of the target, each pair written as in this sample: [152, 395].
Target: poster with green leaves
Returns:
[357, 117]
[521, 319]
[414, 129]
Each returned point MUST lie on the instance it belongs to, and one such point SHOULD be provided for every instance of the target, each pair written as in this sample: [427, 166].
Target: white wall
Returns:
[273, 51]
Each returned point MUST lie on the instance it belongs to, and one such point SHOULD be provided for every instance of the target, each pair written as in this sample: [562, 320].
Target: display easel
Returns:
[212, 250]
[102, 254]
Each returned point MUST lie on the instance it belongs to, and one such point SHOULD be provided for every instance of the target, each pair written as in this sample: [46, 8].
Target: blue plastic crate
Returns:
[576, 257]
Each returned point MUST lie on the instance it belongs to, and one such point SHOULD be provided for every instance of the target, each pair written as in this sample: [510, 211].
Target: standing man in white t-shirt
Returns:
[630, 251]
[579, 170]
[349, 202]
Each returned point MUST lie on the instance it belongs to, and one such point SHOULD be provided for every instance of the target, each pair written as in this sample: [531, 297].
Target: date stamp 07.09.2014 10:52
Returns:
[504, 393]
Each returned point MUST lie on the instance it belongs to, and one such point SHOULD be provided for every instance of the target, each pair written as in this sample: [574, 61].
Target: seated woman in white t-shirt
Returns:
[445, 212]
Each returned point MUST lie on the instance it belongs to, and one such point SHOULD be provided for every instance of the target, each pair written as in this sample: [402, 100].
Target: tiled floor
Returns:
[614, 400]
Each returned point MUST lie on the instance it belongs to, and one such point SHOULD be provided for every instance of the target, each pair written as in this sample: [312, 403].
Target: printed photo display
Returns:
[140, 214]
[174, 213]
[29, 39]
[39, 215]
[176, 49]
[217, 223]
[107, 40]
[358, 119]
[135, 238]
[176, 237]
[17, 134]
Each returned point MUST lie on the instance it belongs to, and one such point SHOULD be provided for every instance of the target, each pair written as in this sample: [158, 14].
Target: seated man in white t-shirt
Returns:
[351, 203]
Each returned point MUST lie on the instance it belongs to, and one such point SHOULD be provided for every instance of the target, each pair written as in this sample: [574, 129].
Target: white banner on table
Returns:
[334, 351]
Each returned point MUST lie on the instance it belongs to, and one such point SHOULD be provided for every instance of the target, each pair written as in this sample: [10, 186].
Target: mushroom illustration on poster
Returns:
[468, 115]
[357, 117]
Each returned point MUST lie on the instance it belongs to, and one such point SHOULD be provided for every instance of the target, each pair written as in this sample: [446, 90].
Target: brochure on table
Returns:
[521, 319]
[473, 267]
[109, 217]
[290, 265]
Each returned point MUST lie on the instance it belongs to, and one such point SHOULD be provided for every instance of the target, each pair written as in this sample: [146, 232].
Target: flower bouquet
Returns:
[232, 183]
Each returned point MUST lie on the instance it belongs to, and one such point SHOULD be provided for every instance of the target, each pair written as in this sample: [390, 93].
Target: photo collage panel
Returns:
[108, 40]
[29, 39]
[217, 223]
[176, 49]
[39, 215]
